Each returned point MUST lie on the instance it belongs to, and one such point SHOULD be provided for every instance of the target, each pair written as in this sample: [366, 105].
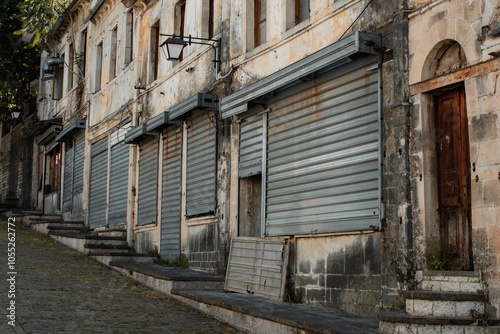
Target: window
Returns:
[71, 66]
[180, 13]
[82, 57]
[129, 37]
[301, 10]
[112, 56]
[260, 22]
[98, 68]
[211, 19]
[57, 88]
[155, 50]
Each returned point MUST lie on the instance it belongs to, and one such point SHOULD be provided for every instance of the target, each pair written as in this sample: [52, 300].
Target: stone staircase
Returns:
[446, 302]
[104, 246]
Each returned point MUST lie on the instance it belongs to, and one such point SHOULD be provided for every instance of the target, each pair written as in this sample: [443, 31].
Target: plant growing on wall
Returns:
[437, 257]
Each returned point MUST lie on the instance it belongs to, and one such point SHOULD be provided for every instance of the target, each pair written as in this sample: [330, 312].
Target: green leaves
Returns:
[39, 17]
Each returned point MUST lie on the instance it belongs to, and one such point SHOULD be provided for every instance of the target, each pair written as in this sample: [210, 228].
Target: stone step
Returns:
[65, 229]
[403, 323]
[47, 218]
[107, 249]
[457, 281]
[107, 258]
[113, 233]
[444, 304]
[91, 238]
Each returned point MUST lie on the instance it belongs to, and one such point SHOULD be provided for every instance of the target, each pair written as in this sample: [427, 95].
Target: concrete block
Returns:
[463, 308]
[471, 287]
[443, 309]
[451, 330]
[450, 286]
[422, 307]
[337, 281]
[409, 306]
[474, 330]
[429, 329]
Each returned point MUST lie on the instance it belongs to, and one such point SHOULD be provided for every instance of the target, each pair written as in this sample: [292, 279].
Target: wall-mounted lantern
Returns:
[176, 44]
[15, 114]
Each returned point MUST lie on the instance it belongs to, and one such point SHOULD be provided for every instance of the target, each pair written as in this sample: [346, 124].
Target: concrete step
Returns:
[403, 323]
[457, 281]
[113, 233]
[65, 229]
[90, 238]
[444, 304]
[106, 258]
[107, 249]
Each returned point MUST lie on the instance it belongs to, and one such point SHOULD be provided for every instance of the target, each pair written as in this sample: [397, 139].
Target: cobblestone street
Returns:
[61, 291]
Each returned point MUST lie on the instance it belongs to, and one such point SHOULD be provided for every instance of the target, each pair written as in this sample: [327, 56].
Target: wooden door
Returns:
[454, 177]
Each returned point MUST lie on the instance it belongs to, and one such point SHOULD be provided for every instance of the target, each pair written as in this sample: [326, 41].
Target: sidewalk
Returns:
[250, 313]
[204, 292]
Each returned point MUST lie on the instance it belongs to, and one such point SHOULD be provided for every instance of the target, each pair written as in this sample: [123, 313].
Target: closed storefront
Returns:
[171, 192]
[98, 183]
[118, 179]
[148, 181]
[201, 165]
[310, 150]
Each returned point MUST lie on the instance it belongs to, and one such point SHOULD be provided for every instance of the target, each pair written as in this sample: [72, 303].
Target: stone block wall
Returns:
[342, 271]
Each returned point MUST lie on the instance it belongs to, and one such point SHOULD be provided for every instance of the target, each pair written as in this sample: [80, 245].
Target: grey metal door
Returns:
[148, 181]
[79, 152]
[118, 184]
[98, 183]
[322, 153]
[171, 193]
[201, 164]
[250, 147]
[68, 180]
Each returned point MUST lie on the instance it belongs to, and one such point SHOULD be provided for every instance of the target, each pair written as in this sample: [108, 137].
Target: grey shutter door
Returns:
[118, 184]
[171, 193]
[68, 181]
[148, 181]
[201, 165]
[250, 149]
[322, 153]
[98, 183]
[79, 152]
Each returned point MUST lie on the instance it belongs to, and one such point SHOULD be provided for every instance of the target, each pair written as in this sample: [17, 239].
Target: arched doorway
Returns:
[453, 170]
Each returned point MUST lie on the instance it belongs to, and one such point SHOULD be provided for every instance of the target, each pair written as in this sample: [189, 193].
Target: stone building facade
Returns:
[317, 127]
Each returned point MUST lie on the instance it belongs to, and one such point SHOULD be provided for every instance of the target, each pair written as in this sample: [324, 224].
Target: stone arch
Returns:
[438, 35]
[445, 57]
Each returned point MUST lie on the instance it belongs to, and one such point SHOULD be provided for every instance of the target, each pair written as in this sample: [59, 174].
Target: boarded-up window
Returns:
[112, 57]
[129, 37]
[98, 68]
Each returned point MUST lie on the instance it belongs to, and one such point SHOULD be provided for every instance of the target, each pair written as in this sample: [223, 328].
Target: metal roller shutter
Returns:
[171, 190]
[118, 184]
[322, 153]
[98, 183]
[250, 151]
[79, 152]
[68, 181]
[148, 181]
[201, 165]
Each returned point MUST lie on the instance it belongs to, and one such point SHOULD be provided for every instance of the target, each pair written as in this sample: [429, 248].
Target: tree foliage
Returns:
[39, 17]
[19, 61]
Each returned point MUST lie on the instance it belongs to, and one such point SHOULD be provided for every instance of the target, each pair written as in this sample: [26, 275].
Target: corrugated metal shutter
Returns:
[79, 159]
[171, 190]
[148, 181]
[98, 183]
[250, 153]
[118, 184]
[257, 266]
[68, 181]
[201, 165]
[322, 153]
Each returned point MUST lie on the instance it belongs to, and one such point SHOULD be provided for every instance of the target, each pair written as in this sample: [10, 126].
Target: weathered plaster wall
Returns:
[471, 24]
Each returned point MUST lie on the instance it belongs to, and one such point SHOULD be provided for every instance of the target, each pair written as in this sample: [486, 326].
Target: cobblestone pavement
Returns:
[60, 291]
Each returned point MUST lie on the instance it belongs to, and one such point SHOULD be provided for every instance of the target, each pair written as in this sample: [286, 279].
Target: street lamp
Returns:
[176, 44]
[15, 114]
[174, 47]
